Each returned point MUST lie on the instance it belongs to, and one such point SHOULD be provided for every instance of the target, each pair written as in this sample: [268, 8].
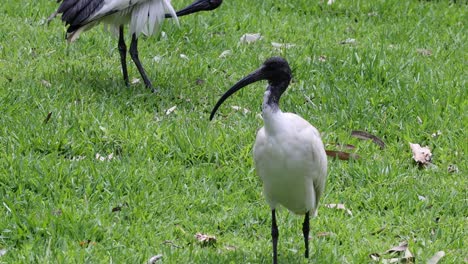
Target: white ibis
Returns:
[289, 154]
[144, 16]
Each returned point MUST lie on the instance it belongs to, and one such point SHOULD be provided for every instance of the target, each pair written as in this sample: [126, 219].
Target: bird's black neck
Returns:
[273, 95]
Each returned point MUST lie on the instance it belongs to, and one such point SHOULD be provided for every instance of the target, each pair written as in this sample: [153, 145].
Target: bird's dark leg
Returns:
[274, 235]
[136, 60]
[305, 230]
[123, 54]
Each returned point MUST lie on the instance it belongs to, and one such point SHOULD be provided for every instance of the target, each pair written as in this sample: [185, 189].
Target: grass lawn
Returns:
[173, 175]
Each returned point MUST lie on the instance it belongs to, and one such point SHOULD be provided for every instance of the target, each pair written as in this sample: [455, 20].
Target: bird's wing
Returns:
[76, 12]
[310, 137]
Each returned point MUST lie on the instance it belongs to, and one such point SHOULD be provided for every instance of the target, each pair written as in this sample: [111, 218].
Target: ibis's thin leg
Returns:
[123, 54]
[274, 236]
[305, 230]
[136, 59]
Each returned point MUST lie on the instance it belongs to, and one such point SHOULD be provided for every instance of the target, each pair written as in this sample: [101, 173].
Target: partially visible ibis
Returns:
[143, 16]
[289, 154]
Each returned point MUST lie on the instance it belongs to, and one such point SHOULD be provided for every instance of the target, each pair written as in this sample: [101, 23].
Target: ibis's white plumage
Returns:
[291, 161]
[143, 16]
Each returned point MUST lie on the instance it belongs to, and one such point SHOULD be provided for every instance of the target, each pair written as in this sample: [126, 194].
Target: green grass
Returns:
[179, 174]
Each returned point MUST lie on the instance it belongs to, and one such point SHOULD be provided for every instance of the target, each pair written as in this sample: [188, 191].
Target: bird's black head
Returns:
[197, 6]
[275, 70]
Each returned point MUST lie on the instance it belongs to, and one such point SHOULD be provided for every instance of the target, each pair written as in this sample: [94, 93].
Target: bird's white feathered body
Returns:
[143, 16]
[291, 161]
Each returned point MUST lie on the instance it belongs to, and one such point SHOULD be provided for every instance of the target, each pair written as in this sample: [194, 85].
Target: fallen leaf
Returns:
[368, 136]
[422, 155]
[322, 58]
[250, 38]
[238, 108]
[424, 52]
[374, 256]
[421, 198]
[401, 248]
[435, 259]
[78, 158]
[46, 120]
[135, 81]
[205, 239]
[452, 168]
[342, 155]
[157, 59]
[105, 158]
[230, 248]
[348, 41]
[436, 134]
[225, 53]
[170, 110]
[371, 14]
[3, 252]
[339, 206]
[419, 120]
[282, 45]
[183, 56]
[154, 259]
[46, 83]
[330, 2]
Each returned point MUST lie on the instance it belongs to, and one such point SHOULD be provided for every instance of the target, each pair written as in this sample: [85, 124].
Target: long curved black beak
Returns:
[255, 76]
[197, 6]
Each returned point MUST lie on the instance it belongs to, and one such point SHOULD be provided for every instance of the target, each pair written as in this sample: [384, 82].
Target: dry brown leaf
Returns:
[435, 259]
[422, 155]
[154, 259]
[339, 206]
[205, 239]
[368, 136]
[342, 155]
[401, 248]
